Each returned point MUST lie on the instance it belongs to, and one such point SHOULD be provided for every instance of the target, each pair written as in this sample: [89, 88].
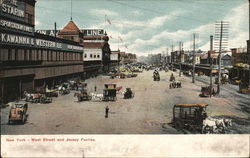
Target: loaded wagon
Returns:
[83, 96]
[243, 87]
[206, 91]
[109, 92]
[18, 112]
[189, 116]
[156, 77]
[128, 94]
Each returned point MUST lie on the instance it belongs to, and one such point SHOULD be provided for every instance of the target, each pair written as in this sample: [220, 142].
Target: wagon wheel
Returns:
[89, 97]
[43, 100]
[9, 122]
[78, 98]
[23, 119]
[178, 125]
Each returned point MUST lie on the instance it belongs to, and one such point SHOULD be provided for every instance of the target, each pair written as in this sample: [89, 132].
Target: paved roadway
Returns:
[149, 112]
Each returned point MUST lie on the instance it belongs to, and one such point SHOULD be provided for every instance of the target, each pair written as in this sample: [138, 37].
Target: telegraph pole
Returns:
[172, 57]
[221, 31]
[55, 29]
[211, 65]
[180, 57]
[248, 43]
[193, 79]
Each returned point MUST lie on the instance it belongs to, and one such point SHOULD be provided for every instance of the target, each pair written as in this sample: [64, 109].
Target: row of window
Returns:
[38, 55]
[92, 56]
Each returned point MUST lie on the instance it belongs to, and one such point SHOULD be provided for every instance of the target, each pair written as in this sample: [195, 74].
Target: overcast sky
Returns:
[150, 26]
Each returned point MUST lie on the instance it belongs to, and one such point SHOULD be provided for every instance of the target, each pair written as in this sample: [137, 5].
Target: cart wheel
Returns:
[178, 125]
[23, 119]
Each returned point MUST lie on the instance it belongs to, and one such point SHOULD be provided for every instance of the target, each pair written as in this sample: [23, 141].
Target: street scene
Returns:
[65, 70]
[150, 111]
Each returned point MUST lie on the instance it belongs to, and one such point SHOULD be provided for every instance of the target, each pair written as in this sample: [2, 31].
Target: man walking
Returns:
[95, 88]
[106, 112]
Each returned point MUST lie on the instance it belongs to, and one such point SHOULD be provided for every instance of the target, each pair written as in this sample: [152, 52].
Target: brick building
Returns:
[96, 50]
[239, 55]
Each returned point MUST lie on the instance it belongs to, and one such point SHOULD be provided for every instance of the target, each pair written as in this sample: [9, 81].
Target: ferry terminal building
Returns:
[28, 60]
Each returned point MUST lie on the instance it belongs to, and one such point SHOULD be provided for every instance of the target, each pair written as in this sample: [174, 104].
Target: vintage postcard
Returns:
[124, 78]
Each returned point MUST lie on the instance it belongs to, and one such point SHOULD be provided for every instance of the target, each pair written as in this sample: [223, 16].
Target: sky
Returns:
[150, 26]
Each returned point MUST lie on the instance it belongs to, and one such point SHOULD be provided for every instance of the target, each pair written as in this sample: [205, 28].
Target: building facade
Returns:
[239, 56]
[114, 59]
[30, 61]
[96, 50]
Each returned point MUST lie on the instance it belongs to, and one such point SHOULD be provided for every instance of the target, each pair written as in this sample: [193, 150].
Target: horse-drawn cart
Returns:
[18, 112]
[128, 94]
[206, 91]
[189, 116]
[243, 87]
[83, 96]
[109, 92]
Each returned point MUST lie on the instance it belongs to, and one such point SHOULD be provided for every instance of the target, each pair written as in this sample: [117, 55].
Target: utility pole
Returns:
[193, 79]
[211, 65]
[55, 29]
[166, 57]
[172, 57]
[180, 57]
[248, 43]
[221, 34]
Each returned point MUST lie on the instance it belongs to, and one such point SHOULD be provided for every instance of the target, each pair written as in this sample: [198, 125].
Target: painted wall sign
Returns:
[29, 41]
[13, 9]
[48, 32]
[93, 32]
[16, 26]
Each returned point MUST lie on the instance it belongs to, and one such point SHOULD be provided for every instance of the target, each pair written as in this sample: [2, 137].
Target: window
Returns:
[98, 56]
[4, 54]
[29, 18]
[45, 55]
[38, 54]
[85, 55]
[94, 56]
[91, 55]
[26, 56]
[20, 55]
[34, 55]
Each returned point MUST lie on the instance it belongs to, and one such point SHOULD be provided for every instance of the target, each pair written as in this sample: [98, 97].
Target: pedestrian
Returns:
[106, 112]
[95, 88]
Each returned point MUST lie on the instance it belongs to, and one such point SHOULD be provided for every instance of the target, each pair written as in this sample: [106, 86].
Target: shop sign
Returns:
[93, 32]
[16, 26]
[13, 8]
[24, 40]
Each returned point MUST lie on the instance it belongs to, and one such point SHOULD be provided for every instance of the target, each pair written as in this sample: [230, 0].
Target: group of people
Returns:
[175, 84]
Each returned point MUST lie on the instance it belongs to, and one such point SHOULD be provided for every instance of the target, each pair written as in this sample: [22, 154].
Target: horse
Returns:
[95, 96]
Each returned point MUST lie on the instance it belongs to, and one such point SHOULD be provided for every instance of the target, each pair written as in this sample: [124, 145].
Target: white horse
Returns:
[211, 125]
[96, 97]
